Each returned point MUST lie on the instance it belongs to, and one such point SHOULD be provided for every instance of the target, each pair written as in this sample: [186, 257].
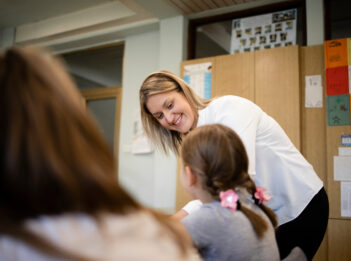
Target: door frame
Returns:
[102, 93]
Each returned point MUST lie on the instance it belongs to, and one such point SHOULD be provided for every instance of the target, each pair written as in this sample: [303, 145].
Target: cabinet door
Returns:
[313, 125]
[277, 89]
[339, 238]
[235, 75]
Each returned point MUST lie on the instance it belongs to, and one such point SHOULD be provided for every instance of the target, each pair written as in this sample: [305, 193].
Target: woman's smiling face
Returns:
[172, 110]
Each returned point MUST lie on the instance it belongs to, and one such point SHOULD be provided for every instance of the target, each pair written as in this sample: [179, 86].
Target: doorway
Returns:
[97, 73]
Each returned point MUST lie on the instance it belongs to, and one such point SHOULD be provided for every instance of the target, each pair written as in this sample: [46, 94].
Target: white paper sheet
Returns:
[313, 91]
[344, 151]
[342, 168]
[141, 144]
[345, 199]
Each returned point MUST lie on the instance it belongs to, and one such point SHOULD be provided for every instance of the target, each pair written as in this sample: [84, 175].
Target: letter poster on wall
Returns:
[264, 31]
[199, 77]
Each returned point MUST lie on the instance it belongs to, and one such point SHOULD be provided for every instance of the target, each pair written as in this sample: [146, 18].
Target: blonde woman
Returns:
[170, 110]
[59, 199]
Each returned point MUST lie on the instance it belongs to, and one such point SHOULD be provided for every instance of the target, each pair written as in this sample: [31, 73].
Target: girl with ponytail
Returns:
[233, 223]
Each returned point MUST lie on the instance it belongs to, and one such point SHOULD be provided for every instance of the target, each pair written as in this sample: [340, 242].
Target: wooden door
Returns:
[277, 87]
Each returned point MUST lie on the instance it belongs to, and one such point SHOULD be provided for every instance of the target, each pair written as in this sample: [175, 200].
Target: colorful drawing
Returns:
[337, 80]
[338, 110]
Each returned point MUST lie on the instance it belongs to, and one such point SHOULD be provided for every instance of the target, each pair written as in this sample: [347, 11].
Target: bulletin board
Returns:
[264, 31]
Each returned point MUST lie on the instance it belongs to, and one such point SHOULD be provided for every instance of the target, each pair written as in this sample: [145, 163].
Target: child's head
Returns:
[53, 157]
[217, 155]
[215, 160]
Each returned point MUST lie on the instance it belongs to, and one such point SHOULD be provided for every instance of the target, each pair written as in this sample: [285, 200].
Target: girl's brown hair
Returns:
[217, 154]
[53, 159]
[162, 82]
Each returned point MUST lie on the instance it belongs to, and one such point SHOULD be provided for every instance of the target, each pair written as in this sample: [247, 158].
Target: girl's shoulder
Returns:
[87, 235]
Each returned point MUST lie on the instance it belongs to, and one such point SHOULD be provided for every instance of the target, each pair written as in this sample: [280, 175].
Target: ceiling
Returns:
[18, 12]
[70, 24]
[197, 6]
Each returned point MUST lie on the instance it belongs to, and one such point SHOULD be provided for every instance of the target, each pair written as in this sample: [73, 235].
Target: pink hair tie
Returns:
[229, 199]
[261, 195]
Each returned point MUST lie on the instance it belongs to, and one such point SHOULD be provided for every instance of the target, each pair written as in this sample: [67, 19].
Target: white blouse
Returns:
[274, 162]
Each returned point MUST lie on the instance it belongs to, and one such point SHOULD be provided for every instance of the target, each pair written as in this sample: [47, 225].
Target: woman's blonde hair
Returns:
[53, 159]
[162, 82]
[217, 154]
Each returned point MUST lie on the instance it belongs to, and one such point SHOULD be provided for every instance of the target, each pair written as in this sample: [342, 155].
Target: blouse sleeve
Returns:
[242, 116]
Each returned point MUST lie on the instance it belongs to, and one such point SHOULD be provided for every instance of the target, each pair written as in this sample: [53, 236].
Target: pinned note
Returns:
[342, 168]
[338, 110]
[345, 189]
[335, 53]
[313, 91]
[337, 80]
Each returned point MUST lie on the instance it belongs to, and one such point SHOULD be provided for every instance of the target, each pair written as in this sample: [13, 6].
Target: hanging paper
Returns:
[313, 91]
[335, 53]
[338, 110]
[345, 189]
[199, 77]
[342, 168]
[346, 139]
[337, 80]
[141, 144]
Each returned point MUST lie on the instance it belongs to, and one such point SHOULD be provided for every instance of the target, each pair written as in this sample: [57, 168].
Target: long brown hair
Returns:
[53, 157]
[162, 82]
[217, 154]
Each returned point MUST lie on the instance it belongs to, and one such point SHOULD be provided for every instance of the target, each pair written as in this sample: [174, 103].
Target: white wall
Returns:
[151, 178]
[7, 37]
[141, 57]
[173, 33]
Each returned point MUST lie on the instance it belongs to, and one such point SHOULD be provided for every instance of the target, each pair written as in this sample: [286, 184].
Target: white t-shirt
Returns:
[130, 237]
[274, 162]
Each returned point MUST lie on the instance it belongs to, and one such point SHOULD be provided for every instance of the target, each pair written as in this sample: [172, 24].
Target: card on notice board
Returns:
[338, 110]
[335, 53]
[337, 80]
[346, 140]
